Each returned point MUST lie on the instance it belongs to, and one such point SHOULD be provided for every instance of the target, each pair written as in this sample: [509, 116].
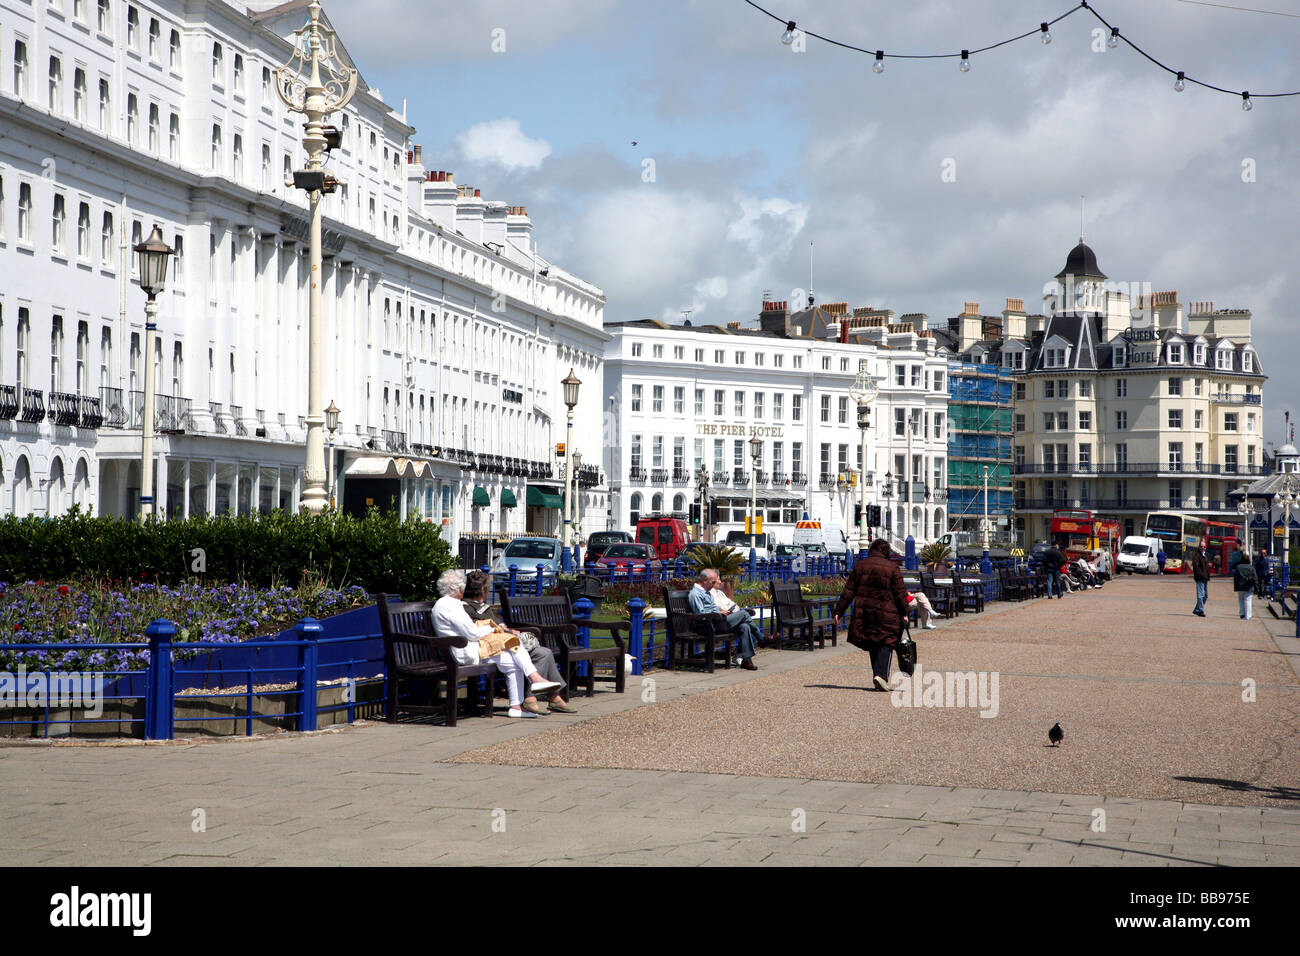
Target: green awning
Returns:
[508, 498]
[544, 498]
[481, 499]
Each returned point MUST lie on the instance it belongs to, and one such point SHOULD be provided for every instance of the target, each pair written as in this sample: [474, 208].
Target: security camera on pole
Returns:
[310, 84]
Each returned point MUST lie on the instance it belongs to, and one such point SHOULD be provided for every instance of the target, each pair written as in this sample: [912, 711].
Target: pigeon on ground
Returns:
[1056, 734]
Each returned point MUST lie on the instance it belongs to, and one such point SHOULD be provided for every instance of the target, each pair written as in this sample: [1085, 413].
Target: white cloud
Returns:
[504, 143]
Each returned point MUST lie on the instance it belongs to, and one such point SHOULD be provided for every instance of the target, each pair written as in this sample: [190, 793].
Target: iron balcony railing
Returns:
[8, 402]
[394, 441]
[778, 478]
[114, 407]
[636, 473]
[92, 415]
[64, 408]
[798, 478]
[659, 476]
[237, 416]
[171, 413]
[218, 418]
[740, 476]
[33, 409]
[721, 477]
[681, 474]
[1230, 398]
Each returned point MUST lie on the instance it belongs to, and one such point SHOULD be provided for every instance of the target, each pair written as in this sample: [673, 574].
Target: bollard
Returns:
[541, 571]
[909, 554]
[635, 608]
[158, 713]
[514, 580]
[582, 609]
[309, 631]
[986, 565]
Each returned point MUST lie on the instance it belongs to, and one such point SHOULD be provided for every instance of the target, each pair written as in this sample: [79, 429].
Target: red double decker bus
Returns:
[1079, 532]
[1221, 539]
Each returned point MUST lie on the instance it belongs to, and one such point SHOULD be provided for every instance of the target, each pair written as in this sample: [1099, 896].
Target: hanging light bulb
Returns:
[1114, 38]
[1047, 34]
[1179, 85]
[1246, 104]
[879, 66]
[964, 65]
[788, 36]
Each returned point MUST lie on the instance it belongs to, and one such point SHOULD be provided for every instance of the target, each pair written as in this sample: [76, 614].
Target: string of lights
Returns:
[1043, 31]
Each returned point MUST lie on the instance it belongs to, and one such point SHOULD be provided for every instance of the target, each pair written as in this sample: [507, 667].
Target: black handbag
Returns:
[906, 650]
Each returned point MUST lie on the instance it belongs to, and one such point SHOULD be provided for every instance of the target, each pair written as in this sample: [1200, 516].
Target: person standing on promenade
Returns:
[1161, 557]
[1053, 561]
[1262, 572]
[875, 588]
[1243, 582]
[1201, 575]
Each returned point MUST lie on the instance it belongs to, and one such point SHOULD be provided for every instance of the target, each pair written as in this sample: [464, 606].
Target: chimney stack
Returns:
[1013, 319]
[519, 228]
[775, 317]
[440, 198]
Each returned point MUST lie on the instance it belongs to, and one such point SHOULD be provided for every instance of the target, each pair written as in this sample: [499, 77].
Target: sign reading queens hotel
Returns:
[761, 431]
[1144, 345]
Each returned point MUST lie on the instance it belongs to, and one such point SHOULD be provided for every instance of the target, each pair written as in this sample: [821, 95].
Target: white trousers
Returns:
[515, 665]
[923, 608]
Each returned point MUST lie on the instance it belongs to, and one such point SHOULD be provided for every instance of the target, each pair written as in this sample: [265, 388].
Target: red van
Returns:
[668, 535]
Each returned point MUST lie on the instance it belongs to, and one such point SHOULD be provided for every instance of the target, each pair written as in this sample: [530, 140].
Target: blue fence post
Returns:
[309, 631]
[635, 608]
[986, 566]
[541, 570]
[158, 712]
[514, 580]
[582, 609]
[909, 554]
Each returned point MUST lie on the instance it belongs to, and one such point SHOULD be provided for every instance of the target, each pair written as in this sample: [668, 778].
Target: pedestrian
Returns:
[875, 588]
[1236, 559]
[1053, 561]
[1243, 582]
[1160, 560]
[1262, 572]
[1201, 575]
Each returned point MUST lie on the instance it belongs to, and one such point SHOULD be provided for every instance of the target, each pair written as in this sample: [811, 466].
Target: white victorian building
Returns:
[683, 397]
[446, 336]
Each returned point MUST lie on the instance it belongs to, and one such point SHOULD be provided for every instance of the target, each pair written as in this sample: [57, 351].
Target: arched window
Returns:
[917, 527]
[81, 486]
[635, 508]
[938, 523]
[679, 503]
[22, 488]
[657, 503]
[56, 504]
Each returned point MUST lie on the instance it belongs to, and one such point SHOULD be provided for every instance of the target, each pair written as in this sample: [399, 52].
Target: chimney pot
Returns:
[419, 155]
[478, 194]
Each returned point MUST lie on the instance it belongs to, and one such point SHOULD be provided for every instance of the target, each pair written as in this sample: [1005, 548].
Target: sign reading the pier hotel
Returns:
[1144, 345]
[762, 431]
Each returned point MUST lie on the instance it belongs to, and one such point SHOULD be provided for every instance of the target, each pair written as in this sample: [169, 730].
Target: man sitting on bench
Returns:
[451, 619]
[703, 602]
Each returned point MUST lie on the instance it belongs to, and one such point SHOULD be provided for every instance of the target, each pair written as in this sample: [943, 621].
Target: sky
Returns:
[676, 154]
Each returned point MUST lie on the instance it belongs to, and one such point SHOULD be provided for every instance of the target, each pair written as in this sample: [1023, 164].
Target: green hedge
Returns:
[378, 552]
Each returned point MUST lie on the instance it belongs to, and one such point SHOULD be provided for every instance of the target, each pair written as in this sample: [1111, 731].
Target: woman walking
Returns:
[1243, 582]
[875, 587]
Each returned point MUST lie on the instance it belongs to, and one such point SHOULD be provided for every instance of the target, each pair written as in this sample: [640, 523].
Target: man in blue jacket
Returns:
[702, 602]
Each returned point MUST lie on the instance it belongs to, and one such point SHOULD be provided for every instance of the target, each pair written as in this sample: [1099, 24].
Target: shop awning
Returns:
[372, 467]
[544, 497]
[508, 498]
[481, 499]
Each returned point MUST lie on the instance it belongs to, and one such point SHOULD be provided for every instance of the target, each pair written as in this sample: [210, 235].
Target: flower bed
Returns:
[37, 612]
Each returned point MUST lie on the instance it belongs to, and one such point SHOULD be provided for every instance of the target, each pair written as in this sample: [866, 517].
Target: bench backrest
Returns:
[788, 604]
[406, 617]
[677, 606]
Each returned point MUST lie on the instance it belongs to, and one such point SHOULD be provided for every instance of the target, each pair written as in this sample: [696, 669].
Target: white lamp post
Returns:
[570, 384]
[311, 84]
[756, 455]
[986, 508]
[332, 424]
[863, 391]
[1288, 496]
[1246, 509]
[154, 254]
[577, 509]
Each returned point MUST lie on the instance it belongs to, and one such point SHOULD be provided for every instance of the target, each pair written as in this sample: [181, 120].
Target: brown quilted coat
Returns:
[875, 586]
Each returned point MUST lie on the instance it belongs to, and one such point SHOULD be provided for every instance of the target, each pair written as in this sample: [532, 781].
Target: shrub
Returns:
[378, 552]
[728, 562]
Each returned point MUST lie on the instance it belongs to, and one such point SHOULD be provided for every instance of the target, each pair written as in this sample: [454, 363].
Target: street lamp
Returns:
[755, 453]
[153, 255]
[577, 508]
[703, 487]
[331, 425]
[570, 383]
[863, 391]
[887, 492]
[1246, 509]
[310, 84]
[986, 511]
[1288, 495]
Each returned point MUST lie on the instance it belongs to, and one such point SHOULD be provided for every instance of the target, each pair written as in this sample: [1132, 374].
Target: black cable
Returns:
[1083, 5]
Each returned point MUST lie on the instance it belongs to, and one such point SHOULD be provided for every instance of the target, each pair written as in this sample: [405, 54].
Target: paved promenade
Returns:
[704, 789]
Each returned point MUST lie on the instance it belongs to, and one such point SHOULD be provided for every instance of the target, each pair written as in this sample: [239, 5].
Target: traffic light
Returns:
[857, 515]
[713, 512]
[695, 514]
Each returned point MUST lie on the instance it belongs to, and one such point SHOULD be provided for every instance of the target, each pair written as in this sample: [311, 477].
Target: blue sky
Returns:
[759, 150]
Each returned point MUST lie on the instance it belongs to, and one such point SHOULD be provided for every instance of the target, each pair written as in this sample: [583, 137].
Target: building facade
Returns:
[685, 397]
[446, 336]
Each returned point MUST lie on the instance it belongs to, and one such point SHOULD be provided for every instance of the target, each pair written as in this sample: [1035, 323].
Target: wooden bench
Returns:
[551, 618]
[1015, 585]
[969, 590]
[695, 638]
[912, 582]
[412, 652]
[941, 592]
[794, 620]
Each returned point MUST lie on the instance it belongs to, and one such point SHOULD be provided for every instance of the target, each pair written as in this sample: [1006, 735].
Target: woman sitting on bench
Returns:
[451, 620]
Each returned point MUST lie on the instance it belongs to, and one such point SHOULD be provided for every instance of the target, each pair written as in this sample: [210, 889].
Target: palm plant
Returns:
[728, 562]
[936, 555]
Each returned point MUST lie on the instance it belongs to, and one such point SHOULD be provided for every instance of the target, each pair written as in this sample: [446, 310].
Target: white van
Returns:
[1138, 554]
[834, 538]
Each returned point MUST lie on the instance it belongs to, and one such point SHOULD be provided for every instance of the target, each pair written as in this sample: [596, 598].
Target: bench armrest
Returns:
[426, 640]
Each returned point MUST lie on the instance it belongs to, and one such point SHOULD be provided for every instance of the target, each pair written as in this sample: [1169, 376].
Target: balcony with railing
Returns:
[218, 418]
[394, 441]
[171, 413]
[8, 402]
[681, 474]
[588, 476]
[1235, 398]
[659, 476]
[778, 477]
[721, 477]
[826, 480]
[237, 416]
[760, 477]
[798, 478]
[740, 477]
[114, 406]
[636, 473]
[92, 415]
[64, 408]
[33, 409]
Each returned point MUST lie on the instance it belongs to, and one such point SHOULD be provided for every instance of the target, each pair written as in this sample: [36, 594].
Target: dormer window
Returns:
[1247, 362]
[1014, 359]
[1175, 354]
[1054, 358]
[1121, 356]
[1223, 360]
[1198, 354]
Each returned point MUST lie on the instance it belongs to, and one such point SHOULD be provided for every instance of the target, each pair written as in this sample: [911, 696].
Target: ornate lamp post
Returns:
[863, 391]
[154, 254]
[702, 480]
[887, 492]
[986, 511]
[310, 83]
[570, 383]
[756, 455]
[331, 425]
[1245, 508]
[1288, 494]
[577, 509]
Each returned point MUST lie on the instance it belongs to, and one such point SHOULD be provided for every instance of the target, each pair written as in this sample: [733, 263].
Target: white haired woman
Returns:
[450, 618]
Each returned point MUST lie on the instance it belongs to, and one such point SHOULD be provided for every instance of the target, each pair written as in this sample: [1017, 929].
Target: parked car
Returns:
[598, 541]
[526, 554]
[667, 535]
[795, 554]
[620, 558]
